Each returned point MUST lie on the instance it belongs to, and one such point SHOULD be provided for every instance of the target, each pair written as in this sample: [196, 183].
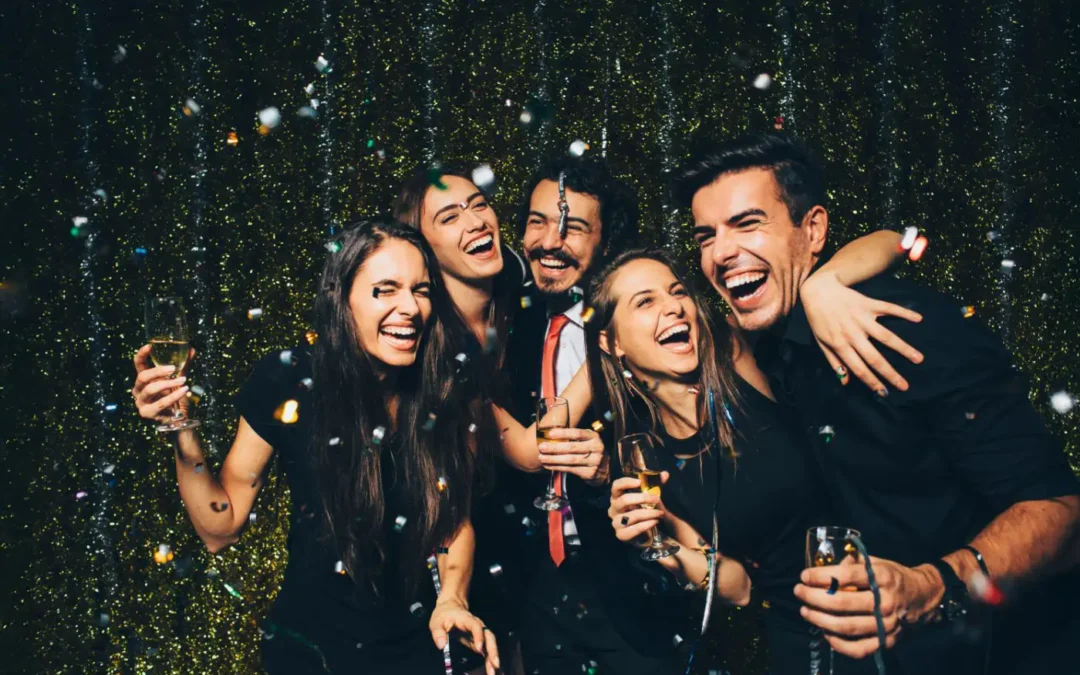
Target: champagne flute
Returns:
[167, 332]
[828, 545]
[638, 457]
[552, 412]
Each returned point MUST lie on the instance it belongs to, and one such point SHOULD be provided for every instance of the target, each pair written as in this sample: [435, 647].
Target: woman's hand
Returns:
[576, 451]
[633, 512]
[451, 614]
[156, 390]
[844, 320]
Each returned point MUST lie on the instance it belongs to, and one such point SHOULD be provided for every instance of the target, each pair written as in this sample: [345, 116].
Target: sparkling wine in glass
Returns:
[828, 545]
[167, 332]
[638, 458]
[552, 413]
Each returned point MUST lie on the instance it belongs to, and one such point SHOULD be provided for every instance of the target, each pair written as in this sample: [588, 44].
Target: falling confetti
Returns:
[255, 313]
[333, 246]
[510, 509]
[307, 383]
[339, 567]
[763, 81]
[968, 311]
[311, 336]
[81, 494]
[429, 424]
[910, 234]
[335, 440]
[1062, 402]
[918, 248]
[268, 119]
[442, 484]
[495, 570]
[252, 517]
[286, 354]
[472, 428]
[597, 426]
[609, 416]
[399, 523]
[827, 433]
[287, 412]
[310, 89]
[191, 109]
[163, 554]
[322, 65]
[79, 221]
[1008, 264]
[306, 112]
[526, 301]
[378, 434]
[416, 609]
[627, 374]
[120, 55]
[578, 148]
[232, 139]
[484, 178]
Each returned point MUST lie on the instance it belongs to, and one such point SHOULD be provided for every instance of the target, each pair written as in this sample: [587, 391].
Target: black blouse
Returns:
[765, 499]
[349, 621]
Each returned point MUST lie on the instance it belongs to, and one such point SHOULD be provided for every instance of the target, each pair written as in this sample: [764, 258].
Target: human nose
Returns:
[724, 248]
[551, 239]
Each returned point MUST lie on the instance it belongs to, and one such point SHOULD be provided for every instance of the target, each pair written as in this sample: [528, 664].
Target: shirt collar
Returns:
[574, 314]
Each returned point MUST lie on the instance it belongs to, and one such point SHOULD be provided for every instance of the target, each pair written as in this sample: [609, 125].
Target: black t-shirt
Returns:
[920, 473]
[765, 500]
[347, 620]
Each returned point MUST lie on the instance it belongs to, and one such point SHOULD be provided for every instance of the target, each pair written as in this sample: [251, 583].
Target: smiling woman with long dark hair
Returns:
[372, 441]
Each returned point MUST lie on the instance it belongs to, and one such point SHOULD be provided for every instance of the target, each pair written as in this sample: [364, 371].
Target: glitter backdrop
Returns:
[132, 163]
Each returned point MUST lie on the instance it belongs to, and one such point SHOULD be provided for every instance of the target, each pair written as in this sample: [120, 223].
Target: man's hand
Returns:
[576, 451]
[847, 616]
[450, 614]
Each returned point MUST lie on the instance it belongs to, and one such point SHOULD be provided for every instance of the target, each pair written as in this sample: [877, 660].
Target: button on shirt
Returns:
[569, 358]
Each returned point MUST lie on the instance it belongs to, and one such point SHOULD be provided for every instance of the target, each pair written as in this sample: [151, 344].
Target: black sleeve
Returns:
[263, 393]
[975, 402]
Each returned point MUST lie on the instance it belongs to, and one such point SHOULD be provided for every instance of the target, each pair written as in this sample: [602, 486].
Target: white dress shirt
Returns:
[569, 357]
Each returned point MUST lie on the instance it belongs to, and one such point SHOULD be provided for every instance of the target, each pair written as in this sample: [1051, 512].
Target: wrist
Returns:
[823, 274]
[451, 599]
[931, 594]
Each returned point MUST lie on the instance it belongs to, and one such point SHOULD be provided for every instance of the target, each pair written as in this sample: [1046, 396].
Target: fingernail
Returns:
[883, 392]
[834, 586]
[542, 447]
[805, 577]
[181, 379]
[170, 368]
[803, 611]
[184, 388]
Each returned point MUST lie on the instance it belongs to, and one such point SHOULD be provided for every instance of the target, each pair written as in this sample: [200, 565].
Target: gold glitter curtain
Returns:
[952, 116]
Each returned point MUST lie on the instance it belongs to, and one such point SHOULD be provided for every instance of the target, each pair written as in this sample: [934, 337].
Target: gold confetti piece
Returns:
[287, 412]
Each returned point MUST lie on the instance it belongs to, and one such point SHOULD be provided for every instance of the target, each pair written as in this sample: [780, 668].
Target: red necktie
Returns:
[547, 390]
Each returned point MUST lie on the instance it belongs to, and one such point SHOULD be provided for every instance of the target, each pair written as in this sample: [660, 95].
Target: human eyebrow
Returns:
[647, 291]
[744, 214]
[387, 282]
[458, 205]
[702, 231]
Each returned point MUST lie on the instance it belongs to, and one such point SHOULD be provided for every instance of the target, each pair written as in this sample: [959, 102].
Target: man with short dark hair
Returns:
[952, 478]
[585, 602]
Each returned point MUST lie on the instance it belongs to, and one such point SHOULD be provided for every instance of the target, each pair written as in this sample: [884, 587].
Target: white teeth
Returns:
[486, 239]
[680, 328]
[553, 263]
[742, 279]
[400, 331]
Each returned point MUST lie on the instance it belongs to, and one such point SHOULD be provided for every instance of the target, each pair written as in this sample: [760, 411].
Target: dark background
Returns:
[958, 117]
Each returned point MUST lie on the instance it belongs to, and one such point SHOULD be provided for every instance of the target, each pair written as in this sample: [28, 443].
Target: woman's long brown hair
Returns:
[618, 393]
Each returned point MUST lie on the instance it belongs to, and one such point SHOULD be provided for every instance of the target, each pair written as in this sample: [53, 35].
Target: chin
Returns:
[395, 359]
[758, 320]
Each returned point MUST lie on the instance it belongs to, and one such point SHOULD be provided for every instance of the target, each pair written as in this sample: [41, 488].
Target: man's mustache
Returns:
[558, 254]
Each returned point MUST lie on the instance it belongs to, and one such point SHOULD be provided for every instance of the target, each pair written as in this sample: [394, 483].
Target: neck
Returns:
[473, 302]
[557, 303]
[677, 403]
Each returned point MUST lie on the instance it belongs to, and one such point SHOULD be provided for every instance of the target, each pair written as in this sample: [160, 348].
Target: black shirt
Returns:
[765, 499]
[348, 621]
[921, 472]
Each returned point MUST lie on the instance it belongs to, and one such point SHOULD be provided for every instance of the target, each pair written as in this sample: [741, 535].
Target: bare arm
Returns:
[452, 608]
[865, 258]
[218, 506]
[519, 442]
[1026, 542]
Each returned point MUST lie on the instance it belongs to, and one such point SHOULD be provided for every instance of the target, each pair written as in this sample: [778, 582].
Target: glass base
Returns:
[177, 425]
[659, 551]
[551, 502]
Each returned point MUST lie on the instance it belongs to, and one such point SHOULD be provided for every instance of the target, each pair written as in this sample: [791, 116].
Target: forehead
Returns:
[641, 275]
[457, 190]
[735, 192]
[395, 260]
[545, 199]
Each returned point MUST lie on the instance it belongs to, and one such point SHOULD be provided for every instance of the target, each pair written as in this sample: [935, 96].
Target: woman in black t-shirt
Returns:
[371, 435]
[660, 356]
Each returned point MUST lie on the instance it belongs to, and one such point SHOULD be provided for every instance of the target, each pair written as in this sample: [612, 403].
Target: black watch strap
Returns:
[954, 603]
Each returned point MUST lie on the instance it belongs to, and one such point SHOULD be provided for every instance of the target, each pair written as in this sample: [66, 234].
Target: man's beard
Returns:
[550, 291]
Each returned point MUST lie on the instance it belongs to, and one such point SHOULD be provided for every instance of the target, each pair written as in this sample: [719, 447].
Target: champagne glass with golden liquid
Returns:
[638, 458]
[828, 545]
[552, 412]
[167, 331]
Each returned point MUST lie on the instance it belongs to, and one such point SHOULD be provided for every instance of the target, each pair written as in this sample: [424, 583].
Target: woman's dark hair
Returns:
[487, 370]
[425, 438]
[798, 172]
[618, 205]
[615, 392]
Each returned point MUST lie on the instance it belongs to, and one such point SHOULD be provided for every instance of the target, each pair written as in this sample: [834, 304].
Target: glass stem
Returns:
[657, 540]
[551, 483]
[177, 411]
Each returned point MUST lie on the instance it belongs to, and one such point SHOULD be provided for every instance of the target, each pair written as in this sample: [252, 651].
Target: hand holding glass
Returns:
[828, 545]
[552, 412]
[167, 332]
[638, 458]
